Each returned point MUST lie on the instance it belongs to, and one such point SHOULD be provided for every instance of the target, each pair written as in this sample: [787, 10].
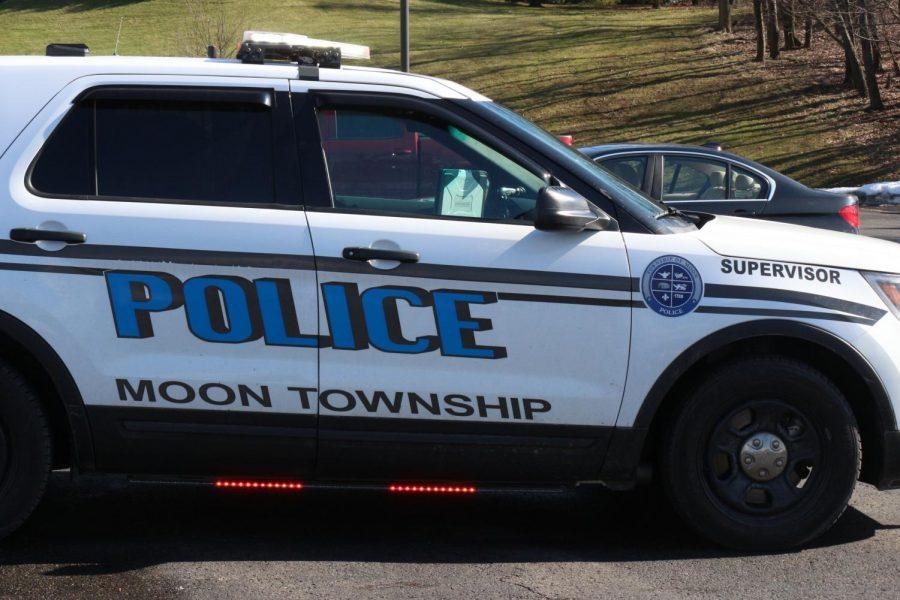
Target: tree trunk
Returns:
[657, 3]
[853, 76]
[760, 26]
[875, 38]
[725, 21]
[772, 17]
[868, 52]
[787, 20]
[807, 32]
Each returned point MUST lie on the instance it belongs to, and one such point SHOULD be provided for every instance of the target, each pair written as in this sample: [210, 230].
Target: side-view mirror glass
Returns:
[563, 208]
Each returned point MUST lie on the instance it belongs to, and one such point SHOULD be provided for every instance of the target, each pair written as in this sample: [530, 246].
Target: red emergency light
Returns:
[432, 489]
[258, 485]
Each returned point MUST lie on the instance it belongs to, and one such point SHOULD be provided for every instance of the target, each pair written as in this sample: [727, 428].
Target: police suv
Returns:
[279, 273]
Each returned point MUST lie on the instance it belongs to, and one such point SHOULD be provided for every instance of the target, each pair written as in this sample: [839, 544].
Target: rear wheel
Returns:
[25, 449]
[765, 453]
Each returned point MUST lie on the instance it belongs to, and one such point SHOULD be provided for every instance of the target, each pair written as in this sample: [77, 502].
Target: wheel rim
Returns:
[763, 458]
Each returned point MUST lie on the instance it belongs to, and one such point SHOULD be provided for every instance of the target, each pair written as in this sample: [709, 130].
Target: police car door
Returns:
[461, 342]
[163, 253]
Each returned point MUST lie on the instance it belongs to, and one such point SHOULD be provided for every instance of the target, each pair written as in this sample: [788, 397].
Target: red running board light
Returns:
[258, 485]
[432, 489]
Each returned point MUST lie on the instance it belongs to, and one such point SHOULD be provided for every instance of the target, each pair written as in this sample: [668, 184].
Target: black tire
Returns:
[25, 449]
[708, 464]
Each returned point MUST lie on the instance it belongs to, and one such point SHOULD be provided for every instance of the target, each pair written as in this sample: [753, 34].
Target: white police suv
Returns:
[278, 273]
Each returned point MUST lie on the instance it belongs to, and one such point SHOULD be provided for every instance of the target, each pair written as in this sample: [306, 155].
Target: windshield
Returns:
[642, 208]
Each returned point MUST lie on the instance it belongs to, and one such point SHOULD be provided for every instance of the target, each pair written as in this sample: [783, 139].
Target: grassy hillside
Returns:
[601, 74]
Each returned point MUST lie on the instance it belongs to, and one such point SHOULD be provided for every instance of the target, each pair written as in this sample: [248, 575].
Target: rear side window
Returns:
[629, 169]
[688, 178]
[161, 150]
[747, 186]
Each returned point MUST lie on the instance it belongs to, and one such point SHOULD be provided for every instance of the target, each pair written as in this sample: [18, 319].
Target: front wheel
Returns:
[764, 454]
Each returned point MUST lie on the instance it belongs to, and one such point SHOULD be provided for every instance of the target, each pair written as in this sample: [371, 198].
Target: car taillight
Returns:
[851, 215]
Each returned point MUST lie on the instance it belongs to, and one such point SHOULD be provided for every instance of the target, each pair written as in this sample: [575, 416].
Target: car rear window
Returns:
[160, 150]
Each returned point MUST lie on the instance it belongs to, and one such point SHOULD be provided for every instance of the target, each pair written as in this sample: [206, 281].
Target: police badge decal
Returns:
[672, 286]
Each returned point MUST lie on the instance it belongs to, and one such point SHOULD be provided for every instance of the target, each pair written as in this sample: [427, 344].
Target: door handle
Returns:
[364, 254]
[24, 234]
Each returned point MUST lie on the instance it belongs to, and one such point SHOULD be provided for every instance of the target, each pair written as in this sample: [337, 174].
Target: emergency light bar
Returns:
[259, 46]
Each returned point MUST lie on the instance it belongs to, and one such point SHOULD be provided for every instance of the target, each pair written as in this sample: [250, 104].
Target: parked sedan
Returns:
[706, 179]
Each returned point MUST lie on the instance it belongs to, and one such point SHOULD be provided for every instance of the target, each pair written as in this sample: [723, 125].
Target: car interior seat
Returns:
[716, 188]
[628, 173]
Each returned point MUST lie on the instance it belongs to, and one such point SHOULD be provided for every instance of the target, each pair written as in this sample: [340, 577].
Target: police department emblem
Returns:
[672, 286]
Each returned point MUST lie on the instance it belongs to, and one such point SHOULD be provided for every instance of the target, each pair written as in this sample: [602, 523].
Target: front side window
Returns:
[400, 161]
[687, 178]
[747, 186]
[160, 150]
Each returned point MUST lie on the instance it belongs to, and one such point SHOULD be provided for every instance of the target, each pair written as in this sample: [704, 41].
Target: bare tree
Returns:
[725, 21]
[211, 23]
[772, 18]
[759, 23]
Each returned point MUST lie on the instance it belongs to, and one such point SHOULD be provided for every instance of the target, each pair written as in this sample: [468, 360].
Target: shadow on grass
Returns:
[71, 5]
[97, 527]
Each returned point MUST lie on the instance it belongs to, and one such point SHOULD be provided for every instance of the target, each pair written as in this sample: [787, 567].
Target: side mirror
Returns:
[562, 208]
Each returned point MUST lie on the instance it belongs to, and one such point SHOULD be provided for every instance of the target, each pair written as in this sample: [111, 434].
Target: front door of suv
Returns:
[187, 318]
[463, 344]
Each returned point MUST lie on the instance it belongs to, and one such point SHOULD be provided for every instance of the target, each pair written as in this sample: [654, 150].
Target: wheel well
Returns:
[851, 383]
[40, 378]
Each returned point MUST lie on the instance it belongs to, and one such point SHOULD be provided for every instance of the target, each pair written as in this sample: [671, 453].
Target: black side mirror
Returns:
[563, 208]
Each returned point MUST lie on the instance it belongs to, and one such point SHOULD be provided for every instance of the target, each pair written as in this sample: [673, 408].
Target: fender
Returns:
[627, 443]
[82, 444]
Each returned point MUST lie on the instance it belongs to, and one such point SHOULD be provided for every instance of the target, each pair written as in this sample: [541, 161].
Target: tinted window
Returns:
[64, 165]
[747, 186]
[204, 152]
[692, 178]
[629, 169]
[404, 162]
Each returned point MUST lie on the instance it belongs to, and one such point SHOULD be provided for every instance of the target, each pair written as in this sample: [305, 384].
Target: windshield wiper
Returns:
[674, 212]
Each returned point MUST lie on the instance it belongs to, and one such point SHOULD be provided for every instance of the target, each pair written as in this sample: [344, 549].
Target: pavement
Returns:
[101, 538]
[882, 222]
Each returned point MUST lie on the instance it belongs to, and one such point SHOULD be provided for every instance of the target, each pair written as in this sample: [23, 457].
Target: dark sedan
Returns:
[706, 179]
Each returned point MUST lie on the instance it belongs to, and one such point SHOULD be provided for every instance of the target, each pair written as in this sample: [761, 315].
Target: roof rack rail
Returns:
[714, 146]
[67, 50]
[309, 54]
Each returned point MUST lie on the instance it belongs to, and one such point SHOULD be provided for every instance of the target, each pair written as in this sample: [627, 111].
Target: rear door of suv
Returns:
[154, 236]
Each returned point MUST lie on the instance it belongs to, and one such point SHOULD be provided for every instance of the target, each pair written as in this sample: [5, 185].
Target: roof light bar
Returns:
[258, 485]
[432, 489]
[259, 46]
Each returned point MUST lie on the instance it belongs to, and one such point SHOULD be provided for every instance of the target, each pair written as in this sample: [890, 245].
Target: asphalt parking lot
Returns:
[883, 222]
[103, 538]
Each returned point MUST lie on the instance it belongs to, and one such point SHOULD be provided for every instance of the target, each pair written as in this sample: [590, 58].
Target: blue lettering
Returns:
[134, 296]
[218, 309]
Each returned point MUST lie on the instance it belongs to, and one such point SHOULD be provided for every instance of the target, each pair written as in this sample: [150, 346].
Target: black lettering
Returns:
[189, 393]
[325, 400]
[752, 267]
[514, 403]
[460, 402]
[822, 275]
[206, 397]
[483, 407]
[534, 406]
[415, 401]
[836, 277]
[379, 397]
[778, 270]
[263, 398]
[726, 266]
[145, 388]
[304, 395]
[740, 267]
[809, 274]
[766, 270]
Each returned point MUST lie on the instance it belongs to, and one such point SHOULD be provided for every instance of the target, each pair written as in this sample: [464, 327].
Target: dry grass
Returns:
[602, 74]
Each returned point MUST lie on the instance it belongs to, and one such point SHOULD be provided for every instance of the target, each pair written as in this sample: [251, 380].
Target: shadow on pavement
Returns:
[104, 526]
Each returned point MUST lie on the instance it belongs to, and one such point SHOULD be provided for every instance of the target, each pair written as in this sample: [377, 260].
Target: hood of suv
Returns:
[780, 242]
